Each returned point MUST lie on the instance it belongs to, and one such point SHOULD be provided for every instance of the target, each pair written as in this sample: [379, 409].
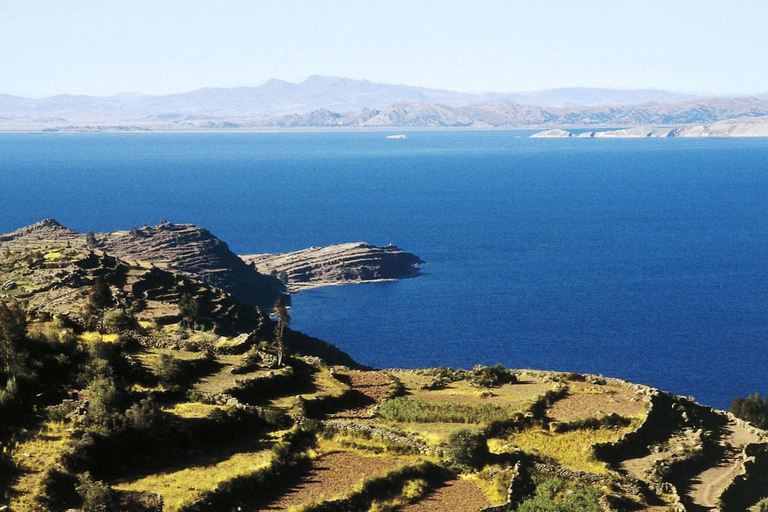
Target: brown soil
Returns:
[455, 495]
[333, 475]
[506, 395]
[371, 387]
[587, 401]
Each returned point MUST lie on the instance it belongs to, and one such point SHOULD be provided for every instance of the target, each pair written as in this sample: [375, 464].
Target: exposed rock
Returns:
[552, 134]
[338, 264]
[194, 252]
[741, 127]
[44, 234]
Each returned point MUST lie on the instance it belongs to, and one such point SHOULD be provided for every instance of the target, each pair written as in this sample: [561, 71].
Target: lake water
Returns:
[642, 259]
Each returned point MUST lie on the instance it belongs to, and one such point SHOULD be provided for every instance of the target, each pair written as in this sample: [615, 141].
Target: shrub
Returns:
[753, 409]
[118, 320]
[170, 371]
[491, 376]
[58, 489]
[96, 496]
[467, 448]
[559, 495]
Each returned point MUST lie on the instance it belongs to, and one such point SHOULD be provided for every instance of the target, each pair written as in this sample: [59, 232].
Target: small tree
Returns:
[13, 330]
[283, 320]
[99, 300]
[90, 240]
[189, 308]
[467, 448]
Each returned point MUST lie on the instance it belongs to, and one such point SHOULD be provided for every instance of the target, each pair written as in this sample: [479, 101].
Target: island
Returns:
[137, 378]
[739, 127]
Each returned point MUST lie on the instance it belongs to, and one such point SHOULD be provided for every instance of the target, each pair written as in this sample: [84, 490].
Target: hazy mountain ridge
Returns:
[341, 102]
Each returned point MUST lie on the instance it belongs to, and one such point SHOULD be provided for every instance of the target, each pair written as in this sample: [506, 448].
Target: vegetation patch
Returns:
[559, 495]
[572, 449]
[421, 411]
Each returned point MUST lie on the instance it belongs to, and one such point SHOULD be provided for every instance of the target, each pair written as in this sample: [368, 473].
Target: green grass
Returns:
[421, 411]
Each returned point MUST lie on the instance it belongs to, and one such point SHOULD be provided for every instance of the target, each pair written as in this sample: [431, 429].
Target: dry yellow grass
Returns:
[568, 449]
[325, 385]
[186, 484]
[32, 457]
[516, 395]
[93, 336]
[192, 410]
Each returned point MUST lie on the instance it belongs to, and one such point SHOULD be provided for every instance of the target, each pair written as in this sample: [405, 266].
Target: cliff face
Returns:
[194, 252]
[338, 264]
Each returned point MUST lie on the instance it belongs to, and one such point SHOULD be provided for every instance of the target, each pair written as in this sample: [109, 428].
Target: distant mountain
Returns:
[342, 102]
[510, 115]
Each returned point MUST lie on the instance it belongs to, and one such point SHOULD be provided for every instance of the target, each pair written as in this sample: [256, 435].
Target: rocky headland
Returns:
[740, 127]
[337, 264]
[195, 253]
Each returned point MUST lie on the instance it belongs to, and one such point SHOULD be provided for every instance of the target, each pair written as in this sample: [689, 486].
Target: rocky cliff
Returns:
[337, 264]
[194, 252]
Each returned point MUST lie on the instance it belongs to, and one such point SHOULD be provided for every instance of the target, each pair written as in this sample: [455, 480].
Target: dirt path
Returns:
[707, 486]
[678, 442]
[456, 495]
[333, 475]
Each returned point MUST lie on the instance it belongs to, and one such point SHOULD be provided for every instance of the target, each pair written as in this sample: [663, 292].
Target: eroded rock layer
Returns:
[337, 264]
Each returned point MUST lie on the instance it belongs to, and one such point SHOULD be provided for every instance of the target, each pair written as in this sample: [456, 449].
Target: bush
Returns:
[57, 489]
[467, 448]
[118, 320]
[559, 495]
[96, 496]
[491, 376]
[170, 371]
[753, 409]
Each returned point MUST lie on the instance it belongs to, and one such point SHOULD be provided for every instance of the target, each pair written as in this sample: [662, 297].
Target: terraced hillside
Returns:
[144, 403]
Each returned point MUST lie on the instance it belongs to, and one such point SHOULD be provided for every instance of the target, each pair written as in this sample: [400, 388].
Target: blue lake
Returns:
[642, 259]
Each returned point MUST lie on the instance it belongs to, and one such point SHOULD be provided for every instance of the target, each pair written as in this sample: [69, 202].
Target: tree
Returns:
[189, 308]
[99, 299]
[467, 448]
[283, 320]
[90, 240]
[13, 330]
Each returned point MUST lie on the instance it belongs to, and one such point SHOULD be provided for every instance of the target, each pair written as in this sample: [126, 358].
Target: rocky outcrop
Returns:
[337, 264]
[195, 253]
[741, 127]
[42, 235]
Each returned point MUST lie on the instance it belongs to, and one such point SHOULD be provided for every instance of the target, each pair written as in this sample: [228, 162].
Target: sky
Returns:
[166, 46]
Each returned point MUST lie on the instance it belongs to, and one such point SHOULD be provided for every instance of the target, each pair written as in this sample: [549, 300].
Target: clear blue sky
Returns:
[164, 46]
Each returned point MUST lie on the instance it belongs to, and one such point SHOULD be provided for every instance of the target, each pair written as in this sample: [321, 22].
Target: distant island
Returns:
[141, 375]
[740, 127]
[340, 103]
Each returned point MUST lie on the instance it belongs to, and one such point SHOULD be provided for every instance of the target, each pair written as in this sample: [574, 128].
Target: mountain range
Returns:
[342, 102]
